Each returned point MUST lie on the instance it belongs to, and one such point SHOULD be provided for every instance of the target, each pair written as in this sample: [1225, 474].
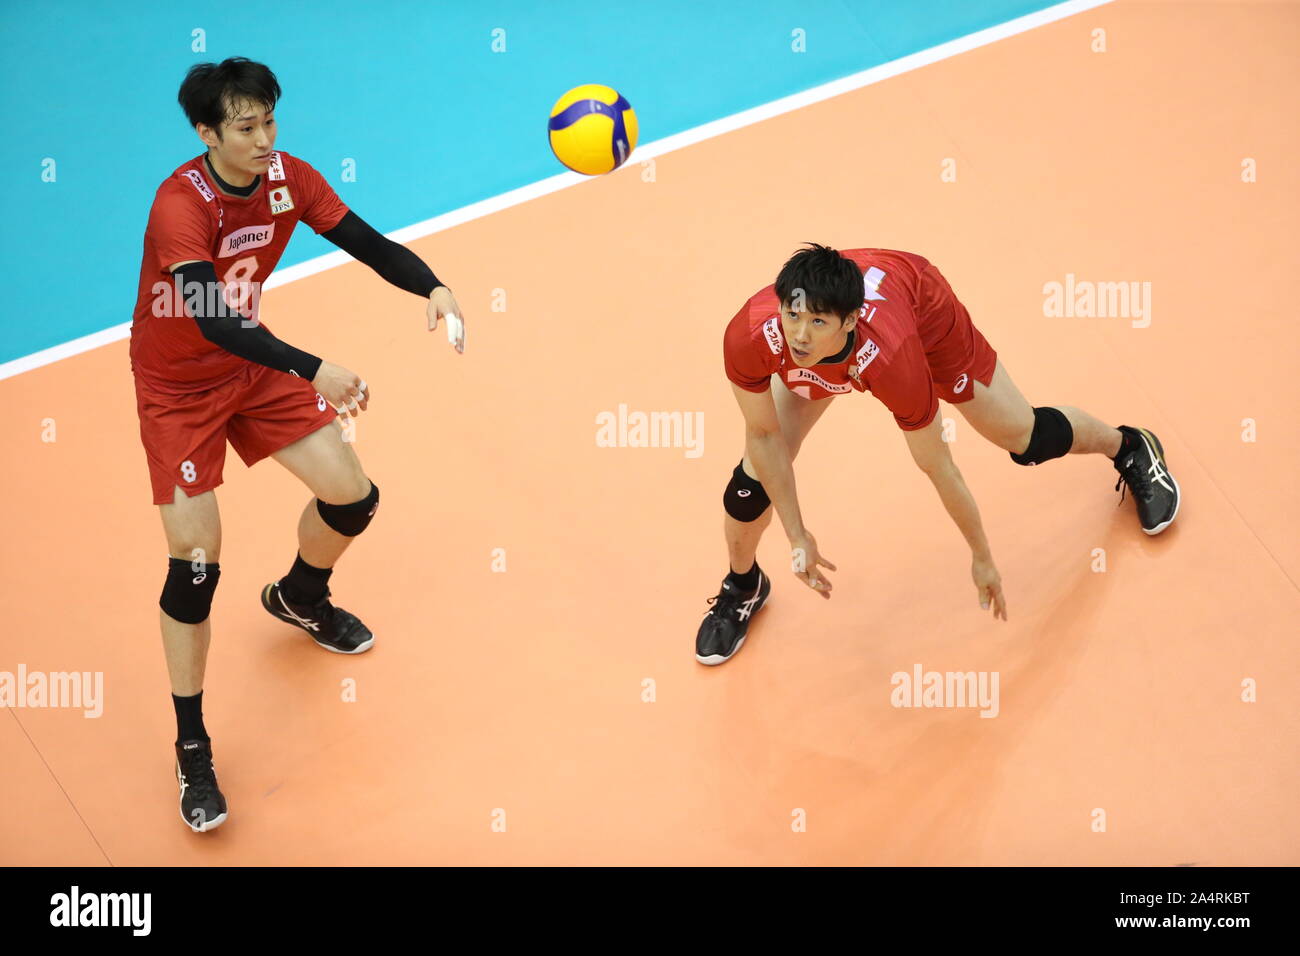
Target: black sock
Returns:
[747, 581]
[1126, 444]
[189, 718]
[305, 584]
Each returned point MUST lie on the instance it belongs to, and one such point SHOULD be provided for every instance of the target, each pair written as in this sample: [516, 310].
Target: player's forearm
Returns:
[221, 325]
[256, 344]
[956, 497]
[401, 267]
[392, 261]
[770, 456]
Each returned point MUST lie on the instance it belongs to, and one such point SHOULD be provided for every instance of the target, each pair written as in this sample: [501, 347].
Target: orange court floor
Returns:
[532, 696]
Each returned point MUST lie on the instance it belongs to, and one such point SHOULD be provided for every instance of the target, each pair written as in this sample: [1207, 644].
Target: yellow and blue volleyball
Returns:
[592, 129]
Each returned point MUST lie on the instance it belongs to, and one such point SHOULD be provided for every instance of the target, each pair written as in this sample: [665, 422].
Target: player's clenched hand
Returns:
[989, 584]
[346, 391]
[804, 559]
[443, 305]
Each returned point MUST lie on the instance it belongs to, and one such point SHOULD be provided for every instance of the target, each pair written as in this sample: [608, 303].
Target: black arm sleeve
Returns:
[223, 326]
[392, 260]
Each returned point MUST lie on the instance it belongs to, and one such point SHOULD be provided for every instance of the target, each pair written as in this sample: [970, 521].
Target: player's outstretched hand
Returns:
[346, 391]
[804, 559]
[443, 305]
[989, 584]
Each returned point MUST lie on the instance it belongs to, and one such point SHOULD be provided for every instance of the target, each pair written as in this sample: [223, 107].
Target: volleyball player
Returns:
[886, 322]
[208, 371]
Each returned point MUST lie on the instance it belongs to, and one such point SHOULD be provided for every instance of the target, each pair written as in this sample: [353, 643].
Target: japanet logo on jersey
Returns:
[805, 375]
[250, 237]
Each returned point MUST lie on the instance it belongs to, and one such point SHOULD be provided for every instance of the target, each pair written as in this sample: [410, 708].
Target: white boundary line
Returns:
[659, 147]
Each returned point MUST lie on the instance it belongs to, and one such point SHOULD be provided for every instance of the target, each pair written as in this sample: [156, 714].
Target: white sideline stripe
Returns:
[543, 187]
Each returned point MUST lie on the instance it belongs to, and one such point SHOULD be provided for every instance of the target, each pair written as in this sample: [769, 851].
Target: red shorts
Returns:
[260, 410]
[954, 348]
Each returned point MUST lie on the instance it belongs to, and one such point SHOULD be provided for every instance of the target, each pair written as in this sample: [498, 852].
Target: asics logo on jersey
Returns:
[961, 383]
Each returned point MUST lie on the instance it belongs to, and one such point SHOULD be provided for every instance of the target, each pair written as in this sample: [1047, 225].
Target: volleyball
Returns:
[592, 129]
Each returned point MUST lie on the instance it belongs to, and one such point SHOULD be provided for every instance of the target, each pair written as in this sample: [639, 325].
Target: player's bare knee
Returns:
[197, 551]
[193, 524]
[794, 444]
[1018, 443]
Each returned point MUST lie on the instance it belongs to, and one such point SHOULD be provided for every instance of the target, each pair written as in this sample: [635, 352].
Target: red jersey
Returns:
[908, 315]
[243, 237]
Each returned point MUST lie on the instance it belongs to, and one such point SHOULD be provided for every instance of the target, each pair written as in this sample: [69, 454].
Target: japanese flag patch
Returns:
[281, 201]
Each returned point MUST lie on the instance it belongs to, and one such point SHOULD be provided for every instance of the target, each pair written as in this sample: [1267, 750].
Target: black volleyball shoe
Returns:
[1141, 466]
[203, 807]
[722, 632]
[331, 627]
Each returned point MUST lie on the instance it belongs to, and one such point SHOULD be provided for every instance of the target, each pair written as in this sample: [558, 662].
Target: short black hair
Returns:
[830, 282]
[210, 91]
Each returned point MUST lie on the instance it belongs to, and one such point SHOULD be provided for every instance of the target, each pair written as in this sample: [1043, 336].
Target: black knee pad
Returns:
[1051, 438]
[187, 594]
[351, 519]
[745, 499]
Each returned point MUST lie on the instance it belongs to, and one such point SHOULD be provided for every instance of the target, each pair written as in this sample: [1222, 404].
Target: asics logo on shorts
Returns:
[201, 577]
[743, 492]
